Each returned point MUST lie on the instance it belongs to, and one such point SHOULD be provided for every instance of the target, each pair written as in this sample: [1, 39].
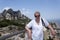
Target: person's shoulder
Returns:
[32, 20]
[43, 18]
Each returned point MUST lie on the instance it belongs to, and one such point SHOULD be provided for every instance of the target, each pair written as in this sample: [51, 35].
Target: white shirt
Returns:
[37, 30]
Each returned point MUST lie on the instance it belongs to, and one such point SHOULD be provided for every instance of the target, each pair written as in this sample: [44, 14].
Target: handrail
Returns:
[10, 35]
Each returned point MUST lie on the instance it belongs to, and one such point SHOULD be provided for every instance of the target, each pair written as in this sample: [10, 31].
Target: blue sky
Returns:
[49, 9]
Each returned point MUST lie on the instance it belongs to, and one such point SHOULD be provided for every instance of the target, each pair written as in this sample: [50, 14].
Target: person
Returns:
[35, 28]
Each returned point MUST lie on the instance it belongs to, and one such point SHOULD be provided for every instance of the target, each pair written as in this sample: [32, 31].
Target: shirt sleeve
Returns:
[46, 22]
[29, 25]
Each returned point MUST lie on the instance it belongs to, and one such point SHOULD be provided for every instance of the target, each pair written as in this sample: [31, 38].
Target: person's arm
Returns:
[50, 27]
[52, 30]
[29, 33]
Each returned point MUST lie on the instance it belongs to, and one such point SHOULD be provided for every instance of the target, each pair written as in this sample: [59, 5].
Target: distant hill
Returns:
[57, 21]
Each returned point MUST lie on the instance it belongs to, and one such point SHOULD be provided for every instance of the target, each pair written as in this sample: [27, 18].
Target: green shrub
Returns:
[18, 23]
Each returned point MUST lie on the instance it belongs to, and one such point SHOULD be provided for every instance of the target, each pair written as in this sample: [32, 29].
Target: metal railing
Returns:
[16, 33]
[10, 35]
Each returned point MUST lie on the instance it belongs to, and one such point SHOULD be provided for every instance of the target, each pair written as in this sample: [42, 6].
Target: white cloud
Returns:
[6, 8]
[25, 11]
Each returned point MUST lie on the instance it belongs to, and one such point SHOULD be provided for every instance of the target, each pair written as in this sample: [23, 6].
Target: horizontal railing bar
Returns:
[10, 35]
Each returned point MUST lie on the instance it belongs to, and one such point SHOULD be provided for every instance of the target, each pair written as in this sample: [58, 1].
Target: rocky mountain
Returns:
[12, 15]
